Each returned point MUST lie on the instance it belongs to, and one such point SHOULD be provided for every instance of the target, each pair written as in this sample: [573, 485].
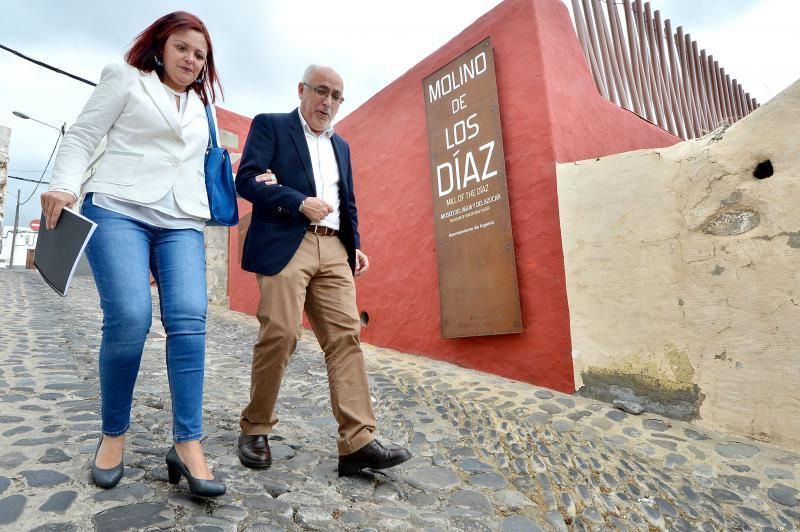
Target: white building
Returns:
[5, 137]
[26, 239]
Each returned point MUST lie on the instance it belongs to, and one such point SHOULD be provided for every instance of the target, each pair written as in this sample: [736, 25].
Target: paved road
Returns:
[490, 453]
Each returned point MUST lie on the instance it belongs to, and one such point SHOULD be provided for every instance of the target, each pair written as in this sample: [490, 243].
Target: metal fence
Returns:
[641, 65]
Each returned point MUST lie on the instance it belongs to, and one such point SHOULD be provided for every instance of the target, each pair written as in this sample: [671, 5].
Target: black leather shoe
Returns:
[372, 456]
[197, 486]
[106, 478]
[254, 451]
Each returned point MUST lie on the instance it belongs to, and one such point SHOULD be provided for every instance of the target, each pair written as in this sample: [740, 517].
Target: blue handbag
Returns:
[219, 180]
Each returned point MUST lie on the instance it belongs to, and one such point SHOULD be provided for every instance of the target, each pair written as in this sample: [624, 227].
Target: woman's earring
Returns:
[201, 78]
[159, 62]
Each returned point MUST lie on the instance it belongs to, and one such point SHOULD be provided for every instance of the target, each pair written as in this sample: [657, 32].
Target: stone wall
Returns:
[5, 137]
[682, 275]
[217, 265]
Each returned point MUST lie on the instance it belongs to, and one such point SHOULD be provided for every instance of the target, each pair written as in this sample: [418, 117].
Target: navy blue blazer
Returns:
[277, 141]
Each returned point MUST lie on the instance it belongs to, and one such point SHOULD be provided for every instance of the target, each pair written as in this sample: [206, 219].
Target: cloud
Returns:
[756, 44]
[262, 48]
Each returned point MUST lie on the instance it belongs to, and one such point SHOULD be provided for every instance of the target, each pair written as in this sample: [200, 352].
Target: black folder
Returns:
[59, 250]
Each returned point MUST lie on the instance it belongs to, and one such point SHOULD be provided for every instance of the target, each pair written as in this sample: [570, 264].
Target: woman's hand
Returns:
[53, 203]
[268, 178]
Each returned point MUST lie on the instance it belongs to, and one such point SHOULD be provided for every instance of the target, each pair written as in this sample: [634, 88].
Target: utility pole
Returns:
[16, 217]
[14, 234]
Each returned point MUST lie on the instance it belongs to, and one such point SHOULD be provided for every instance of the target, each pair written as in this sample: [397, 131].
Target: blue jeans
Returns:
[122, 253]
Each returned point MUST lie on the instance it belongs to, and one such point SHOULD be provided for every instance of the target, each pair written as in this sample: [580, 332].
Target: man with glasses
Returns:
[303, 245]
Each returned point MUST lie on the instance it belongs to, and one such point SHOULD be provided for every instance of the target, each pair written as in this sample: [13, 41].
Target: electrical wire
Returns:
[29, 180]
[45, 65]
[41, 178]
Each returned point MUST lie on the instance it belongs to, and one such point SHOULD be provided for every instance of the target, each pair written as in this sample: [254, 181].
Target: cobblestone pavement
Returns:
[490, 453]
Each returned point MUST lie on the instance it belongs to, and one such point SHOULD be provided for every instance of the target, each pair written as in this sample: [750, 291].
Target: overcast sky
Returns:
[261, 48]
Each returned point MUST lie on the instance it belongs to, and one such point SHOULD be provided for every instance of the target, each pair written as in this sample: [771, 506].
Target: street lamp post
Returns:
[23, 116]
[16, 214]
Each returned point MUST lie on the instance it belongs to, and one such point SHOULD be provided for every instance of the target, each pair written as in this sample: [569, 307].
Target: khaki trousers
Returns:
[317, 279]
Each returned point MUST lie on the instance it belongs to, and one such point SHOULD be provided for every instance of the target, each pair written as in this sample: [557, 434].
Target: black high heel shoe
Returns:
[197, 487]
[106, 478]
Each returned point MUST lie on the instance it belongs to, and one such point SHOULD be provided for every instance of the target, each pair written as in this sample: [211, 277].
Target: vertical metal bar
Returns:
[726, 96]
[622, 57]
[737, 102]
[709, 86]
[723, 93]
[673, 98]
[746, 101]
[724, 82]
[740, 99]
[688, 88]
[598, 50]
[619, 77]
[731, 97]
[581, 32]
[712, 88]
[647, 71]
[720, 78]
[697, 84]
[708, 76]
[635, 61]
[742, 103]
[656, 62]
[691, 59]
[591, 59]
[678, 74]
[608, 57]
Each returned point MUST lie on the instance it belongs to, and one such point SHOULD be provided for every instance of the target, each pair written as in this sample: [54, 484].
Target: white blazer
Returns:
[148, 151]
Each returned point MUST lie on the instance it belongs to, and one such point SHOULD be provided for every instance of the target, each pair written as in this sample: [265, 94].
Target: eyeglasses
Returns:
[323, 92]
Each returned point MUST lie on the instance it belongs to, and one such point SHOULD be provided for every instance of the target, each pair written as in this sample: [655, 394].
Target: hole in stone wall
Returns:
[364, 318]
[763, 170]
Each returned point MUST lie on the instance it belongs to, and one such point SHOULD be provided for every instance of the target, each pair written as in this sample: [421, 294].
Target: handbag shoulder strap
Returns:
[212, 129]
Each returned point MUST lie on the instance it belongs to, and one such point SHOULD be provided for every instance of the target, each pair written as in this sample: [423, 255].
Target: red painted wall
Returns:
[550, 111]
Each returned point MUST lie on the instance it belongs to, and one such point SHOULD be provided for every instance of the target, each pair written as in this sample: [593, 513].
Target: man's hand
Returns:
[362, 263]
[53, 203]
[315, 209]
[268, 178]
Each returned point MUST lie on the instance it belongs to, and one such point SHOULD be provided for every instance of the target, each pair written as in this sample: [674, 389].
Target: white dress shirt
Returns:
[326, 170]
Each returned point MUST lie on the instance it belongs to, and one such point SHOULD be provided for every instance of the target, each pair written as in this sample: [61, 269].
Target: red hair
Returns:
[150, 44]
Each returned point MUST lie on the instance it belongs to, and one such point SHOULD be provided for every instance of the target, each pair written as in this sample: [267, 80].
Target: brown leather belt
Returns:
[322, 230]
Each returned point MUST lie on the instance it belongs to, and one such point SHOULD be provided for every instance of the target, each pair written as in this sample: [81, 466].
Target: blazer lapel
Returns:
[299, 139]
[152, 86]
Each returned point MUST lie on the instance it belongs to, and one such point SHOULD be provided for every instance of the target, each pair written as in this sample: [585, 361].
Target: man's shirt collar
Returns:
[328, 133]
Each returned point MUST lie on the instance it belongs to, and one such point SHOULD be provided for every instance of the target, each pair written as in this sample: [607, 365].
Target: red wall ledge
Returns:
[551, 112]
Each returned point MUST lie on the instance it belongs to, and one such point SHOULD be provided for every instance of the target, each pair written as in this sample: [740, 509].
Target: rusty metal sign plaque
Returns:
[474, 245]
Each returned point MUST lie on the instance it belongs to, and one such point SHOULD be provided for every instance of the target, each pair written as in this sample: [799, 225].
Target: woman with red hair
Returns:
[148, 198]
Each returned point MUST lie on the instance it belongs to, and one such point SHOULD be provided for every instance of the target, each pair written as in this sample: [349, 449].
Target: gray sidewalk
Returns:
[490, 453]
